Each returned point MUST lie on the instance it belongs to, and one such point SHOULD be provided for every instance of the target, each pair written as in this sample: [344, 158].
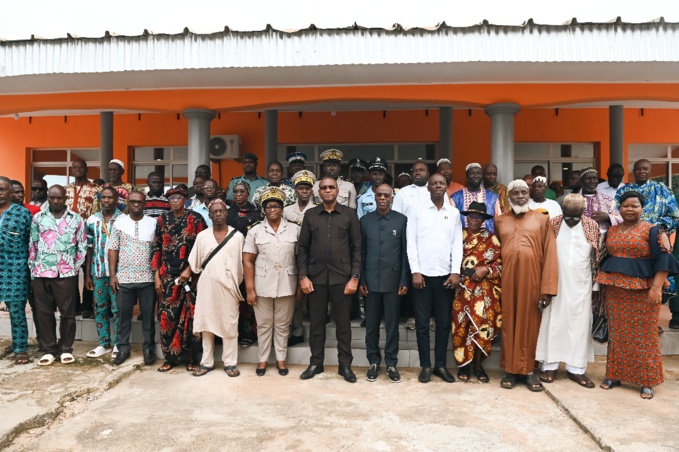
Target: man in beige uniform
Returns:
[304, 181]
[332, 158]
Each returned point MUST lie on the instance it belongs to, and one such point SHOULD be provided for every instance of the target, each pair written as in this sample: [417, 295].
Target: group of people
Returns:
[468, 262]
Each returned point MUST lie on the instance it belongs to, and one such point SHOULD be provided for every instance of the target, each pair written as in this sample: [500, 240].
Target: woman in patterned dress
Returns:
[176, 233]
[632, 275]
[242, 216]
[477, 314]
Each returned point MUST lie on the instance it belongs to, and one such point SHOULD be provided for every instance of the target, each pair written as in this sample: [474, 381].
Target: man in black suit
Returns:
[383, 279]
[329, 266]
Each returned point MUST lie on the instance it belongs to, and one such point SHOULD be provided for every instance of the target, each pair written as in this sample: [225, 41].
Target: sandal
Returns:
[548, 376]
[46, 360]
[66, 358]
[202, 370]
[582, 380]
[508, 381]
[463, 373]
[21, 358]
[609, 384]
[98, 351]
[481, 374]
[533, 383]
[191, 367]
[647, 392]
[166, 367]
[231, 371]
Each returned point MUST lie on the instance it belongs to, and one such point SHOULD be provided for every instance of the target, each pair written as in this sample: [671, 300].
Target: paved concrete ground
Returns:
[91, 405]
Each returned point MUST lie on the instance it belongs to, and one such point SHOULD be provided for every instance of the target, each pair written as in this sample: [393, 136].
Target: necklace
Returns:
[631, 227]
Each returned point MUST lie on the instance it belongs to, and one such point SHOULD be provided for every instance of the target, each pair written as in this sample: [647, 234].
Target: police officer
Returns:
[378, 175]
[250, 176]
[357, 170]
[332, 158]
[296, 161]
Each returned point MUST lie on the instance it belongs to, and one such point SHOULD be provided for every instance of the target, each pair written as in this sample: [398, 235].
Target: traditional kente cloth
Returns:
[15, 230]
[502, 195]
[463, 198]
[477, 314]
[627, 272]
[529, 269]
[660, 207]
[174, 239]
[599, 202]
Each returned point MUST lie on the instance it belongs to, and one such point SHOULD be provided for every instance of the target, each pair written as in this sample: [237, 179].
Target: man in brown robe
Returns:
[529, 279]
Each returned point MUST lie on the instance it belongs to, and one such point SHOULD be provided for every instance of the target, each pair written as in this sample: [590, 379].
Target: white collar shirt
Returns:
[608, 190]
[434, 240]
[409, 199]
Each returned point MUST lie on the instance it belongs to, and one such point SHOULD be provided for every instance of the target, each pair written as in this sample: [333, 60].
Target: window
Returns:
[170, 162]
[559, 159]
[399, 156]
[663, 157]
[54, 165]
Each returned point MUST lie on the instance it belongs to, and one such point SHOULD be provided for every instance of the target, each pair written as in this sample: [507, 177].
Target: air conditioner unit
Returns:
[225, 147]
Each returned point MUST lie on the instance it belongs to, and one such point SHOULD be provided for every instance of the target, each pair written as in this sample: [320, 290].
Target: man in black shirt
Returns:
[329, 265]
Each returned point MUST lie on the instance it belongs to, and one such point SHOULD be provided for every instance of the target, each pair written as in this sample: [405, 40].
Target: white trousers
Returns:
[229, 350]
[572, 369]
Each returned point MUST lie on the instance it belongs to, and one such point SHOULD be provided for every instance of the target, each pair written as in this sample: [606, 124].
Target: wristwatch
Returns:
[356, 276]
[301, 277]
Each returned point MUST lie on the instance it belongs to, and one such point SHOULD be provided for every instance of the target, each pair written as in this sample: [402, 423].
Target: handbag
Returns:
[600, 320]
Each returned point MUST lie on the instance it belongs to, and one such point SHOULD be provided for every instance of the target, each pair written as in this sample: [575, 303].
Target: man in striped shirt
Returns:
[156, 202]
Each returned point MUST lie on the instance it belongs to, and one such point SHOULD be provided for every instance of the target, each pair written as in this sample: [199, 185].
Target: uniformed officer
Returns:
[304, 182]
[250, 176]
[274, 171]
[378, 175]
[270, 272]
[332, 158]
[296, 161]
[357, 170]
[384, 278]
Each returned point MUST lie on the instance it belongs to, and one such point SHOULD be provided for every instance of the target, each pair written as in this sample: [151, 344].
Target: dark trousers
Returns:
[126, 298]
[341, 309]
[433, 301]
[52, 293]
[378, 304]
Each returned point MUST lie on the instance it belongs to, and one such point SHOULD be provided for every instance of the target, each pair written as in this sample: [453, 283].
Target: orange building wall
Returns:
[471, 133]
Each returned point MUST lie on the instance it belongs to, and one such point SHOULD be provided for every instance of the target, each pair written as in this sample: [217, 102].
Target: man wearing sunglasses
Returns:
[39, 193]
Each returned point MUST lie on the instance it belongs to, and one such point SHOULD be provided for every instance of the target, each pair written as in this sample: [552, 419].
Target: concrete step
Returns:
[86, 331]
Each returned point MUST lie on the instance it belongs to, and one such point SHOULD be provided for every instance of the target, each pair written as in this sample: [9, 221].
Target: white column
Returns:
[502, 138]
[199, 138]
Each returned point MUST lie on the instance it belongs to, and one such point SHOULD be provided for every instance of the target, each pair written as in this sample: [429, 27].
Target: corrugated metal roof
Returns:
[615, 41]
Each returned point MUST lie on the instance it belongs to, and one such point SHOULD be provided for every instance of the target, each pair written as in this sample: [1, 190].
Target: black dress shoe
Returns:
[260, 371]
[444, 375]
[121, 358]
[149, 357]
[347, 373]
[282, 370]
[425, 375]
[373, 372]
[311, 372]
[294, 340]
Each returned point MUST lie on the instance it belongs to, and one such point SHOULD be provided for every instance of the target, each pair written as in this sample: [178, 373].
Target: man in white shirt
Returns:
[412, 196]
[434, 236]
[615, 174]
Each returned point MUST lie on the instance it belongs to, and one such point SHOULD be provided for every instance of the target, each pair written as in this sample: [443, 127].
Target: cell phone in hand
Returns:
[469, 272]
[541, 305]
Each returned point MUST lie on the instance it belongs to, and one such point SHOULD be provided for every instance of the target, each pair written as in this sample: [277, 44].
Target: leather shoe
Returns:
[294, 340]
[425, 375]
[311, 372]
[260, 371]
[149, 357]
[347, 373]
[444, 375]
[283, 371]
[121, 358]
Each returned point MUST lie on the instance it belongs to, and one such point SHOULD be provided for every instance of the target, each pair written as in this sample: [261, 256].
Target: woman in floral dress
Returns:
[477, 314]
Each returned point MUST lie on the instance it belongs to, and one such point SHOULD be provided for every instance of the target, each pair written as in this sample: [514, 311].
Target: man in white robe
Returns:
[566, 323]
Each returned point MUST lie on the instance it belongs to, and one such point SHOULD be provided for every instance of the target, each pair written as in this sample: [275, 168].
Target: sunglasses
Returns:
[572, 218]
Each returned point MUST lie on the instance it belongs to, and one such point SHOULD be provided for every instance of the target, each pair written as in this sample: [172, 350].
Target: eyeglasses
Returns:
[474, 216]
[572, 218]
[38, 188]
[175, 198]
[327, 187]
[273, 207]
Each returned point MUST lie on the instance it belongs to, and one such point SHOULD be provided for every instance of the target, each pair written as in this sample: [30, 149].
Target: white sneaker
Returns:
[98, 352]
[115, 352]
[432, 324]
[410, 323]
